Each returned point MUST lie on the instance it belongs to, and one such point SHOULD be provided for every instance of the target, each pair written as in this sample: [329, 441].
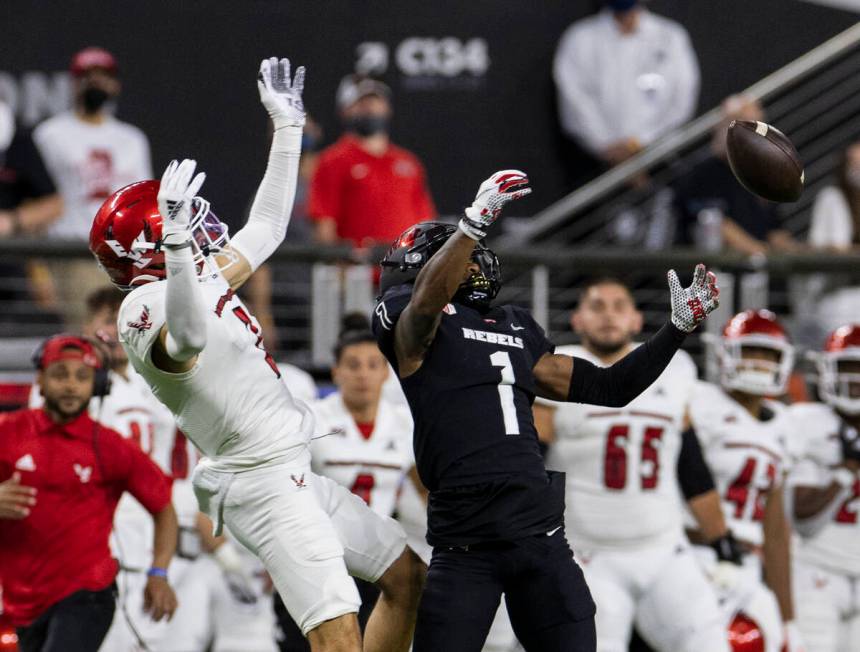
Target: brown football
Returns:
[764, 160]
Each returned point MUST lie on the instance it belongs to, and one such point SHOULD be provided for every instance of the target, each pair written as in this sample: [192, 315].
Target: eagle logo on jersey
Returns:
[83, 472]
[144, 322]
[300, 481]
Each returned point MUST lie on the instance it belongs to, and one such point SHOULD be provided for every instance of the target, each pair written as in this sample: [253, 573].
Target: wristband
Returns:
[844, 477]
[155, 571]
[471, 231]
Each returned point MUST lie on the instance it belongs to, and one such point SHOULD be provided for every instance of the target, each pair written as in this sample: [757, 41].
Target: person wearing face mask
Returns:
[89, 154]
[624, 77]
[366, 189]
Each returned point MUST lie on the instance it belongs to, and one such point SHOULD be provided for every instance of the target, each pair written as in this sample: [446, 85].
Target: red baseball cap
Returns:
[67, 347]
[93, 57]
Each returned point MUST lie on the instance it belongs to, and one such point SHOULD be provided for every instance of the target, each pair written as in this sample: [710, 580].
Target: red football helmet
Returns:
[755, 329]
[745, 635]
[840, 388]
[126, 236]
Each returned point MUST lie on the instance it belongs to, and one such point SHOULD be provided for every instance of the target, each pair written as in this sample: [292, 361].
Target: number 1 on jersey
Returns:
[506, 391]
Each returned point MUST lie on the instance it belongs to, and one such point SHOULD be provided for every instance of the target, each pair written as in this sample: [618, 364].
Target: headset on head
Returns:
[101, 383]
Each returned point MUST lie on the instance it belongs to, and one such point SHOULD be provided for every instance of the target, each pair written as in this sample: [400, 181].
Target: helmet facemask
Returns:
[479, 290]
[209, 240]
[840, 386]
[755, 375]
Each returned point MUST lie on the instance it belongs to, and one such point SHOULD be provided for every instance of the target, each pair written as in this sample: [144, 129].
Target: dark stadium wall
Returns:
[471, 80]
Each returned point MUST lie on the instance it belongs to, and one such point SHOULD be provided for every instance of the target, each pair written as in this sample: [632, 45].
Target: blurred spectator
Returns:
[28, 204]
[828, 301]
[90, 154]
[715, 211]
[836, 211]
[624, 78]
[367, 189]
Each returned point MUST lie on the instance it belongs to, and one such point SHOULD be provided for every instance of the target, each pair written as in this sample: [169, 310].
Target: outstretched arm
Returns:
[273, 203]
[564, 378]
[440, 277]
[183, 335]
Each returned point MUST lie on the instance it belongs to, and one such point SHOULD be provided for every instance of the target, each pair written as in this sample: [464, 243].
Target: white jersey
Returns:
[232, 404]
[817, 452]
[372, 468]
[747, 457]
[88, 162]
[622, 488]
[299, 382]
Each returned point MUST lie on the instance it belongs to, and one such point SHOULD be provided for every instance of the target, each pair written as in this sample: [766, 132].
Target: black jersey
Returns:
[476, 446]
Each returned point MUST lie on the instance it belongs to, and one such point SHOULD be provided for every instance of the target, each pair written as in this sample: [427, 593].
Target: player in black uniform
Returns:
[470, 373]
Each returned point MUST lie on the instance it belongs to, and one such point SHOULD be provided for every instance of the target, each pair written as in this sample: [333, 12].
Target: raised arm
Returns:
[273, 204]
[440, 277]
[564, 378]
[183, 335]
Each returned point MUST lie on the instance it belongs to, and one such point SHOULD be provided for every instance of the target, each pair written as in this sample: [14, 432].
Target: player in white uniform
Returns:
[362, 441]
[624, 514]
[365, 441]
[201, 352]
[825, 492]
[745, 437]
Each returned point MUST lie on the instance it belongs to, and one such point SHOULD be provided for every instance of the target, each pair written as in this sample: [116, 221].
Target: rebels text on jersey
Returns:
[232, 404]
[475, 443]
[817, 451]
[747, 456]
[622, 487]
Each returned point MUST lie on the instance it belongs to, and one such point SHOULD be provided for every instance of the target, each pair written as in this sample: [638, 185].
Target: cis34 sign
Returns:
[417, 56]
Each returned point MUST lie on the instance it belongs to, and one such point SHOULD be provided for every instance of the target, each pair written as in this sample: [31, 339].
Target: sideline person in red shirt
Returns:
[365, 188]
[61, 476]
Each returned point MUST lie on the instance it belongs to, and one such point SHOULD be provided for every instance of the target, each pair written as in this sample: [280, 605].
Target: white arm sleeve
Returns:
[270, 213]
[184, 308]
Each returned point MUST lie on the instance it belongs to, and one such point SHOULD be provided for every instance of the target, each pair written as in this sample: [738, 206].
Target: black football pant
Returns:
[548, 601]
[77, 623]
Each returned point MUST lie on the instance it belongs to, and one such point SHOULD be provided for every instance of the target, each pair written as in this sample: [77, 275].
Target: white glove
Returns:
[281, 96]
[691, 305]
[792, 640]
[175, 194]
[493, 194]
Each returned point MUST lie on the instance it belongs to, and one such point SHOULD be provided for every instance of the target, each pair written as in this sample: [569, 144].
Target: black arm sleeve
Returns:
[694, 476]
[619, 384]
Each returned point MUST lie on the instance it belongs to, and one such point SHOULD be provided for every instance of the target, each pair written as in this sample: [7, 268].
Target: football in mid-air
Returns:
[764, 160]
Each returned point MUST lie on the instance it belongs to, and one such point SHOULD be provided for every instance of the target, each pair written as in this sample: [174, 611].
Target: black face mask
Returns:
[93, 99]
[367, 125]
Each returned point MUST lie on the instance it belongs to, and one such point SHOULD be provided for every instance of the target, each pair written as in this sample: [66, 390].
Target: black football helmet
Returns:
[409, 253]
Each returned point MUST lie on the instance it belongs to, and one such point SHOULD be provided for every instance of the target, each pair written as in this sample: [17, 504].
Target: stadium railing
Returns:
[815, 100]
[313, 286]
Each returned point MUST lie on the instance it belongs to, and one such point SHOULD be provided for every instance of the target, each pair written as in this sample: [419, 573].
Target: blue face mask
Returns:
[620, 6]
